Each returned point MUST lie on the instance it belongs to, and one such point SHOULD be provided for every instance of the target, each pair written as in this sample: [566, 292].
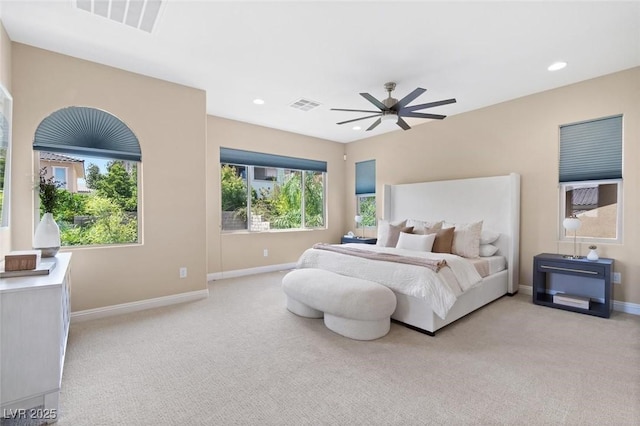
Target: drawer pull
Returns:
[579, 271]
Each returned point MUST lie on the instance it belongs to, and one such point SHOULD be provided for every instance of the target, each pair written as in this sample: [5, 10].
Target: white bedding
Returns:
[440, 289]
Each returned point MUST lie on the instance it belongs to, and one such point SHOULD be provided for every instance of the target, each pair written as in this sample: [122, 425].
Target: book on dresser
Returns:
[42, 269]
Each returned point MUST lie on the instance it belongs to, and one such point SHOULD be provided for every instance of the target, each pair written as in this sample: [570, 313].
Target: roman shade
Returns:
[366, 177]
[88, 132]
[250, 158]
[591, 150]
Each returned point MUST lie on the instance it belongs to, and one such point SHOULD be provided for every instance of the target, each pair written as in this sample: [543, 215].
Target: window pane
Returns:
[287, 201]
[596, 205]
[60, 175]
[234, 197]
[367, 209]
[98, 202]
[314, 199]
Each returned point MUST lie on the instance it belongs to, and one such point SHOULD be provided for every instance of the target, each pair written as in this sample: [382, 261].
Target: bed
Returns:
[493, 200]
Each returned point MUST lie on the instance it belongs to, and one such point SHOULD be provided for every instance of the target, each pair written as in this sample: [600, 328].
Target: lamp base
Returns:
[571, 256]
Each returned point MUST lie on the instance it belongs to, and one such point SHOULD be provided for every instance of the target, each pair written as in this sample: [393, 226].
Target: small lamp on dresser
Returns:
[358, 220]
[572, 223]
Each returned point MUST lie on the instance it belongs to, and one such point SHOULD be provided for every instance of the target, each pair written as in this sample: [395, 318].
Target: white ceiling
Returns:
[478, 52]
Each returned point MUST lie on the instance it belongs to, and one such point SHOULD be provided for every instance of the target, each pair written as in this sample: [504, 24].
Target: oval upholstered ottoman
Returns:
[353, 307]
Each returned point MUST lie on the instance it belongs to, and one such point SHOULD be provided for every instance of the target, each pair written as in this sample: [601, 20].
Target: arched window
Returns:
[93, 158]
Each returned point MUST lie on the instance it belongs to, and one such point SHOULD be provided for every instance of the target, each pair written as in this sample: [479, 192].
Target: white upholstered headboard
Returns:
[494, 200]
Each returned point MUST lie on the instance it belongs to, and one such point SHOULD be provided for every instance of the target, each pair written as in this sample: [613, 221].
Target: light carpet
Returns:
[239, 357]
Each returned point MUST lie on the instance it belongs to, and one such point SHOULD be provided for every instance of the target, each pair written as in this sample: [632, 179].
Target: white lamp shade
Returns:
[571, 223]
[358, 218]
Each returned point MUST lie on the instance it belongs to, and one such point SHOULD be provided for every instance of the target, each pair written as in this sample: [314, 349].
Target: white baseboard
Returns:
[525, 289]
[626, 307]
[250, 271]
[140, 305]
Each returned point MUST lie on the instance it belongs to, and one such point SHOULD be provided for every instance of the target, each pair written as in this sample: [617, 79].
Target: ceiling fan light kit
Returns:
[389, 117]
[390, 109]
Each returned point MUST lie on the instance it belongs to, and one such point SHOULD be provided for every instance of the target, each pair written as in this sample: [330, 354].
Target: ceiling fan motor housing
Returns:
[389, 102]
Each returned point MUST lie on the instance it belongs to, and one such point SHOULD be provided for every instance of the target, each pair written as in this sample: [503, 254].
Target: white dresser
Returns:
[34, 325]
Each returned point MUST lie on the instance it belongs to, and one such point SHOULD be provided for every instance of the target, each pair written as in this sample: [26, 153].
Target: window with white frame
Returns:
[60, 175]
[263, 192]
[591, 178]
[366, 192]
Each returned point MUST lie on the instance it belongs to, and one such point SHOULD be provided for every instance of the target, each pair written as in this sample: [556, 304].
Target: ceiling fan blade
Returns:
[378, 121]
[358, 119]
[403, 124]
[407, 99]
[429, 105]
[374, 101]
[412, 114]
[353, 110]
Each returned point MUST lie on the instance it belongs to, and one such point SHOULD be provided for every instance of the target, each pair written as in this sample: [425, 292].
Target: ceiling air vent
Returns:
[141, 14]
[305, 104]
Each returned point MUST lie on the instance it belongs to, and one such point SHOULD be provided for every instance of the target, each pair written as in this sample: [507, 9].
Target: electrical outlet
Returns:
[183, 272]
[266, 252]
[617, 278]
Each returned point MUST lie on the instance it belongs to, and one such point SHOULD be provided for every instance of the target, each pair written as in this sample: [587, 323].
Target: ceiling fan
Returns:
[391, 109]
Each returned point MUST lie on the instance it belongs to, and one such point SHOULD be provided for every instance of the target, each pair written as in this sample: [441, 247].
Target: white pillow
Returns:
[487, 250]
[388, 233]
[466, 239]
[416, 242]
[488, 237]
[424, 227]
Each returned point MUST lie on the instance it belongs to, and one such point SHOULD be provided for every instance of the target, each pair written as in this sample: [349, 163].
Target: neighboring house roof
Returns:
[585, 196]
[52, 156]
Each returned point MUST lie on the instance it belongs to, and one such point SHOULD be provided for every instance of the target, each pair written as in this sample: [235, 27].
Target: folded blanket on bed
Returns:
[433, 264]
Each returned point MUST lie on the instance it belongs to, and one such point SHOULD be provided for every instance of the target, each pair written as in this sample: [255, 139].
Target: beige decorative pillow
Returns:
[443, 241]
[388, 233]
[466, 239]
[415, 242]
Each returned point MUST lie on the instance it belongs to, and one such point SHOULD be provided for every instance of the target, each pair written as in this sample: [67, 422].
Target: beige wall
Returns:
[5, 80]
[170, 123]
[520, 136]
[231, 251]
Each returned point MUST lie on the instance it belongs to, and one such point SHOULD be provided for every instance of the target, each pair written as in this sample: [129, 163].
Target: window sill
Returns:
[271, 231]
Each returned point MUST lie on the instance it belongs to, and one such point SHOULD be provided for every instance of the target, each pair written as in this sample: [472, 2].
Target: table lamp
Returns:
[358, 220]
[572, 224]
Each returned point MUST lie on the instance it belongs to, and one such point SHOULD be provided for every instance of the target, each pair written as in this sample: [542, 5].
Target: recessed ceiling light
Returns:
[557, 66]
[258, 101]
[357, 127]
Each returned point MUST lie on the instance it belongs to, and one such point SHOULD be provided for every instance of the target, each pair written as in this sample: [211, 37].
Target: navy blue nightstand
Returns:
[554, 273]
[358, 240]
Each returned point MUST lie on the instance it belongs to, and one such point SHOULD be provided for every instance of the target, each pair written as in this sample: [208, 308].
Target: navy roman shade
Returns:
[250, 158]
[591, 150]
[87, 132]
[366, 177]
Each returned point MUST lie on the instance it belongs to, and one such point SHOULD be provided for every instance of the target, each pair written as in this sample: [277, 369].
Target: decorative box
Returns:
[22, 260]
[571, 300]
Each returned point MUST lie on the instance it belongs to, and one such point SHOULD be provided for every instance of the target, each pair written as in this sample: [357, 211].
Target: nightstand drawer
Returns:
[583, 269]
